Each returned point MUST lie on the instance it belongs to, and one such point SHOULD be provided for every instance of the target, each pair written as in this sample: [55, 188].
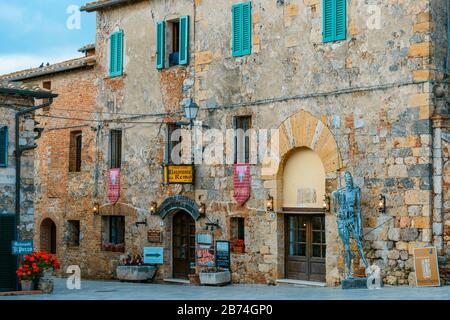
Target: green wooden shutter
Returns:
[341, 20]
[334, 20]
[112, 54]
[241, 29]
[4, 147]
[184, 40]
[160, 45]
[246, 28]
[116, 54]
[237, 30]
[328, 21]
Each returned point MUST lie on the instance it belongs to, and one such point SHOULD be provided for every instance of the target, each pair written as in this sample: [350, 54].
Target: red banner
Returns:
[242, 183]
[113, 185]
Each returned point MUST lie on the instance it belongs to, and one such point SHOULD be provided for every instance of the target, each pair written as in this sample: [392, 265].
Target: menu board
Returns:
[426, 265]
[223, 254]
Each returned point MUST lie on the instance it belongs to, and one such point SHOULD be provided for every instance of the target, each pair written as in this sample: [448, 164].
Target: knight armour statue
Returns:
[347, 206]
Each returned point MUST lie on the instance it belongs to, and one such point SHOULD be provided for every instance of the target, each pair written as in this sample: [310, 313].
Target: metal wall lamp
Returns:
[326, 203]
[269, 204]
[382, 203]
[153, 207]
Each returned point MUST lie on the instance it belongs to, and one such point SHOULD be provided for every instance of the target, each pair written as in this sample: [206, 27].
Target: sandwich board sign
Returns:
[426, 266]
[153, 255]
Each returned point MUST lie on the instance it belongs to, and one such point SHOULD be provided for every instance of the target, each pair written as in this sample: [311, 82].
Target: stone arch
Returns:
[48, 236]
[175, 203]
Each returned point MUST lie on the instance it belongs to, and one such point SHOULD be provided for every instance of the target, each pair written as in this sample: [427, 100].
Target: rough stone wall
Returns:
[8, 175]
[62, 195]
[361, 89]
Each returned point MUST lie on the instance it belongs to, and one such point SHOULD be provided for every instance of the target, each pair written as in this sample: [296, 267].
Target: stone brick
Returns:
[204, 57]
[409, 234]
[417, 197]
[420, 222]
[423, 49]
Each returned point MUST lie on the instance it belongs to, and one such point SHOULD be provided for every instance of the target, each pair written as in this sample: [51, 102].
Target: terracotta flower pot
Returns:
[27, 285]
[238, 249]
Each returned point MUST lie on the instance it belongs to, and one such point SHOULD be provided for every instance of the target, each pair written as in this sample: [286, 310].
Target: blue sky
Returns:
[35, 31]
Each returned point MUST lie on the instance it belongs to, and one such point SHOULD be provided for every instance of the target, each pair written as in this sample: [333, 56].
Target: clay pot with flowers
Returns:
[238, 246]
[28, 273]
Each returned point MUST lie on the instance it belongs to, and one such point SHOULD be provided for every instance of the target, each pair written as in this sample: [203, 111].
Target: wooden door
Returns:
[305, 247]
[183, 245]
[7, 260]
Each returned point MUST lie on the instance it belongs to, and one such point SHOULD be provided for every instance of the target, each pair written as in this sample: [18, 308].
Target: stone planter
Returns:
[45, 283]
[27, 285]
[194, 279]
[135, 273]
[215, 278]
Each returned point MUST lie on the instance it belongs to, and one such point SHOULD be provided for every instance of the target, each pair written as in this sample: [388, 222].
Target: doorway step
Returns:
[177, 281]
[300, 283]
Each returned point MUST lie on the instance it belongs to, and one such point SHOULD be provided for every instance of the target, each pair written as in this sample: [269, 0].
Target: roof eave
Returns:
[102, 5]
[28, 93]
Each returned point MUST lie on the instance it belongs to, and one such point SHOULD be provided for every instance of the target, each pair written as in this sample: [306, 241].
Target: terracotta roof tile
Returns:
[10, 87]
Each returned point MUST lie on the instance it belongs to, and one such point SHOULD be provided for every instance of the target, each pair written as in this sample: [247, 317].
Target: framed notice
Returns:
[154, 236]
[426, 265]
[223, 254]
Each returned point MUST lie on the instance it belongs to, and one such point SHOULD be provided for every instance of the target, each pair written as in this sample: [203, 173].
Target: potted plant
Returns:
[132, 268]
[28, 272]
[46, 263]
[238, 246]
[215, 276]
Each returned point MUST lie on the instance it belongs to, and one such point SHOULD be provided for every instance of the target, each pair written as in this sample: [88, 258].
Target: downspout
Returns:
[18, 154]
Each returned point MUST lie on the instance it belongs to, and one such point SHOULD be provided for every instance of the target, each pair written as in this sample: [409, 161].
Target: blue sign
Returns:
[22, 247]
[154, 255]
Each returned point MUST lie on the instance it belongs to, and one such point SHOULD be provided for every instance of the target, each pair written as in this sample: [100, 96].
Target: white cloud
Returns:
[16, 62]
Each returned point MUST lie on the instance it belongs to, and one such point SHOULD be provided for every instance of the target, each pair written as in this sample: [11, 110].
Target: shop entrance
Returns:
[183, 245]
[305, 247]
[48, 236]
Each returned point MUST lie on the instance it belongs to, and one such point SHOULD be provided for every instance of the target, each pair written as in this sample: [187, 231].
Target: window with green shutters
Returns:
[177, 49]
[4, 147]
[334, 20]
[241, 29]
[116, 54]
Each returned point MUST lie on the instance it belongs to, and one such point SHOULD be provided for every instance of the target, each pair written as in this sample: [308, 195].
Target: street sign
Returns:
[22, 247]
[153, 255]
[178, 174]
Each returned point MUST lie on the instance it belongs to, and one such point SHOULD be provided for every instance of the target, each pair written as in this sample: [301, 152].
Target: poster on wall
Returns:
[204, 251]
[113, 185]
[241, 181]
[426, 266]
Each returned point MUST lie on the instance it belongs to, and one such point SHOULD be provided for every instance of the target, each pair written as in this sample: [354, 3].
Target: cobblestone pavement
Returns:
[111, 290]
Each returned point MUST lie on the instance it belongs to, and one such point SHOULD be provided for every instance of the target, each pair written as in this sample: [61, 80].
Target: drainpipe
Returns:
[18, 153]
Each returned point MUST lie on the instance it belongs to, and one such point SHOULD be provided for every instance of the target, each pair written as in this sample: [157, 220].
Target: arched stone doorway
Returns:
[183, 244]
[303, 131]
[303, 190]
[48, 236]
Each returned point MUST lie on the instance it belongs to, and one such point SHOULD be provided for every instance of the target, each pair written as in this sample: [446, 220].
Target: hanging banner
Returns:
[113, 185]
[241, 183]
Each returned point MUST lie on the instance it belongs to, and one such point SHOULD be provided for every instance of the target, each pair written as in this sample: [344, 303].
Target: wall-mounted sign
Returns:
[426, 265]
[154, 255]
[178, 174]
[204, 238]
[205, 256]
[22, 247]
[223, 254]
[154, 236]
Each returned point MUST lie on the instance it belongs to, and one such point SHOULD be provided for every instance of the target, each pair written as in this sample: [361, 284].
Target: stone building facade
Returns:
[16, 98]
[363, 104]
[374, 103]
[64, 171]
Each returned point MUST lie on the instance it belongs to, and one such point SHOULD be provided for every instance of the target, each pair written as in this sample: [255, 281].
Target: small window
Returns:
[242, 126]
[48, 86]
[3, 147]
[173, 144]
[172, 42]
[115, 149]
[73, 233]
[113, 233]
[76, 138]
[238, 235]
